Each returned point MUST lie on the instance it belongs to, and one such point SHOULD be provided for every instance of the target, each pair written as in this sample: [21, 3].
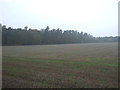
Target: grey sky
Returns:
[96, 17]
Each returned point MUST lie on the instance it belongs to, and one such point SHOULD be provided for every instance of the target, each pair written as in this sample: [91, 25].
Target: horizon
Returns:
[56, 29]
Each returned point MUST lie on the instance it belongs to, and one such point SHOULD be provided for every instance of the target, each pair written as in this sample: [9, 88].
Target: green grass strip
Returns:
[34, 60]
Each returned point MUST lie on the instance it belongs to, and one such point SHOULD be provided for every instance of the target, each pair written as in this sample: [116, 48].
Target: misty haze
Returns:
[59, 43]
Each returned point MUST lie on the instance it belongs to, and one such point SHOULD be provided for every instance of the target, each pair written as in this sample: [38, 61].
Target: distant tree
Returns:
[9, 28]
[47, 28]
[25, 28]
[4, 27]
[19, 36]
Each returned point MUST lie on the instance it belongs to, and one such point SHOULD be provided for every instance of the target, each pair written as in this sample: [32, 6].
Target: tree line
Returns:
[19, 36]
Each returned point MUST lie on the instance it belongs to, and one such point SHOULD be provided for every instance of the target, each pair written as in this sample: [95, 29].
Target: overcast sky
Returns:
[96, 17]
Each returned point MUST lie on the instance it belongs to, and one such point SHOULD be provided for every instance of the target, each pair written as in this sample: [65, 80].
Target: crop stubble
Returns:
[92, 65]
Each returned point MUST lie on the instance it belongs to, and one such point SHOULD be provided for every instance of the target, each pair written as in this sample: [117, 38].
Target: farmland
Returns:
[90, 65]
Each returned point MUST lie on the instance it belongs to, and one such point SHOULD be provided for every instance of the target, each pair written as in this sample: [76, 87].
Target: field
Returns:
[92, 65]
